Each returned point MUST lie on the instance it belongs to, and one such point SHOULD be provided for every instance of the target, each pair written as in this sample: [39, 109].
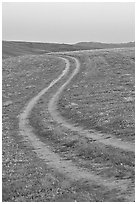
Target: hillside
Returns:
[14, 48]
[99, 45]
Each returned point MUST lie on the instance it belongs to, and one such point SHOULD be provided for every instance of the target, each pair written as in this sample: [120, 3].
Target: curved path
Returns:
[68, 168]
[105, 139]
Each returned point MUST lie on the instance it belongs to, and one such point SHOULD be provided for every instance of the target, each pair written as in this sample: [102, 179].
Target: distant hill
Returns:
[16, 48]
[99, 45]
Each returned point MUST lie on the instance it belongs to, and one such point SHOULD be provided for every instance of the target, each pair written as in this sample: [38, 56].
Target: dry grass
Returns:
[102, 94]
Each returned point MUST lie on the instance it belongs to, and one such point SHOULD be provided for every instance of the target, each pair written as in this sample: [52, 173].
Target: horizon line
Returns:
[70, 43]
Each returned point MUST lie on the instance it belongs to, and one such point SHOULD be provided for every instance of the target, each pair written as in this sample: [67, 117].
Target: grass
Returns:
[101, 96]
[22, 171]
[26, 178]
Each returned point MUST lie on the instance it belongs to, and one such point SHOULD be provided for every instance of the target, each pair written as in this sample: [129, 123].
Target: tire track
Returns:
[68, 168]
[105, 139]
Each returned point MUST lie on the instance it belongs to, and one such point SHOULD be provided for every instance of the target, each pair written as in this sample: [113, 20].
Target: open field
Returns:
[43, 159]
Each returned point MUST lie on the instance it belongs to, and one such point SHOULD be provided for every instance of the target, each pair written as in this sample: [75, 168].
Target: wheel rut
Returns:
[68, 168]
[96, 136]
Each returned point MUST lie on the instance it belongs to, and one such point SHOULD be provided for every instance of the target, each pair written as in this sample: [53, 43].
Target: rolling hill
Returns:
[99, 45]
[17, 48]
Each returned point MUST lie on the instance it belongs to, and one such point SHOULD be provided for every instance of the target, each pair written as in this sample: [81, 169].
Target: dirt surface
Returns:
[63, 172]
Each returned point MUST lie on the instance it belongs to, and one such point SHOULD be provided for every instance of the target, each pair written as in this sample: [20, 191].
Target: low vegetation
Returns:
[99, 98]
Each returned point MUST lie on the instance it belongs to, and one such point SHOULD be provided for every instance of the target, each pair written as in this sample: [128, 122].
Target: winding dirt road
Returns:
[105, 139]
[68, 168]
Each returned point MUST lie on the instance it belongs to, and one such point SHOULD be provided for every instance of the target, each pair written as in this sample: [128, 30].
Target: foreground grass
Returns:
[84, 152]
[23, 173]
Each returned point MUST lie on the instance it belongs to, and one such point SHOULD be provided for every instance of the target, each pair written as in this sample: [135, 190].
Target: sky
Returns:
[68, 22]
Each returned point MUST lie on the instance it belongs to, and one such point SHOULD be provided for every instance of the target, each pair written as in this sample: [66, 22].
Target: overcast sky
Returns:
[68, 22]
